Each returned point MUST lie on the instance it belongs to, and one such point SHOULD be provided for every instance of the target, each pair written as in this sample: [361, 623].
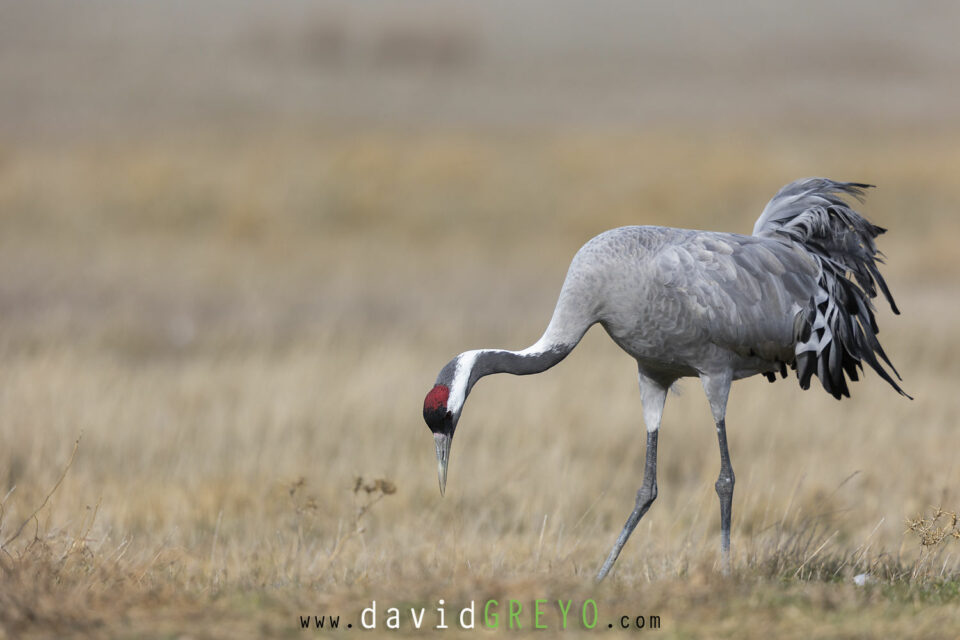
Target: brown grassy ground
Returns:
[239, 329]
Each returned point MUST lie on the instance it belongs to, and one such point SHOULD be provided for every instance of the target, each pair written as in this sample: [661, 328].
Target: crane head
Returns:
[442, 423]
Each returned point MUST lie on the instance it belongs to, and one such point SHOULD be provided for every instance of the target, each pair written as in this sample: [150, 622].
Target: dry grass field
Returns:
[239, 333]
[239, 239]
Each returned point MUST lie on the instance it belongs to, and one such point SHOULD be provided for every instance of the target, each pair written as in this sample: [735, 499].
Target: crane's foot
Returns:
[645, 497]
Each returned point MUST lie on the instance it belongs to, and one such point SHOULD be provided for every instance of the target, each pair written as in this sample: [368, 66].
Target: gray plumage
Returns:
[721, 306]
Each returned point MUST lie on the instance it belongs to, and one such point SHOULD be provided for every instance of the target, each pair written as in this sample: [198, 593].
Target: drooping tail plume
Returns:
[838, 330]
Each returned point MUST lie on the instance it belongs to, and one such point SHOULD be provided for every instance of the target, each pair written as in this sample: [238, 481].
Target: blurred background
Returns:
[239, 239]
[107, 66]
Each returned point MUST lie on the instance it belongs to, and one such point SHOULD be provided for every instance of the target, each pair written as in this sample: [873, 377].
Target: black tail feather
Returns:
[839, 330]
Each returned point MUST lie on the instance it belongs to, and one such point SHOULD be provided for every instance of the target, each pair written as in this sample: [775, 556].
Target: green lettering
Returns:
[583, 614]
[537, 613]
[564, 611]
[515, 615]
[487, 616]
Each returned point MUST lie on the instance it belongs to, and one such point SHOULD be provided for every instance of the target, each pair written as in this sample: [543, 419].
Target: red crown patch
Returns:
[437, 398]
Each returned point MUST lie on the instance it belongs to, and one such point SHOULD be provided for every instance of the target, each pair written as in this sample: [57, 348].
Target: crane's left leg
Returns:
[653, 395]
[717, 388]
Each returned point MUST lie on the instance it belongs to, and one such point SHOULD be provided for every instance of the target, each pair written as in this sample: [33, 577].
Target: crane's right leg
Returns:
[653, 396]
[717, 388]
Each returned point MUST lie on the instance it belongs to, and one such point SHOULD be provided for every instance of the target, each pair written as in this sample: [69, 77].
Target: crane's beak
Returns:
[443, 457]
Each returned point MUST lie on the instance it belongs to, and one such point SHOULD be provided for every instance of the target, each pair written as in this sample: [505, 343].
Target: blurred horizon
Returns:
[113, 68]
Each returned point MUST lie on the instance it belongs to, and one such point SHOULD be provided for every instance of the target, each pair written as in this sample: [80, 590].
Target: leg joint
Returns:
[647, 494]
[725, 482]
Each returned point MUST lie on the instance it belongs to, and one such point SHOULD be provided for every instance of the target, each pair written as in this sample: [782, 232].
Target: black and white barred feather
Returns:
[837, 331]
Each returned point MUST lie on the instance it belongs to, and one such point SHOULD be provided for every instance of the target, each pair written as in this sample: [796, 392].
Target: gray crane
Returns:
[721, 306]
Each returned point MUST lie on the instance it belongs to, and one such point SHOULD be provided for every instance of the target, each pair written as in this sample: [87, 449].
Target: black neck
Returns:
[519, 363]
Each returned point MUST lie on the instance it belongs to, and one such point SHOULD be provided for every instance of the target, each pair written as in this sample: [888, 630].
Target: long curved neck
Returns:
[564, 332]
[473, 365]
[534, 359]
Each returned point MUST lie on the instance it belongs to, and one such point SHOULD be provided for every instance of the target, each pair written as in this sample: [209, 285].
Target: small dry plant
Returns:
[365, 496]
[941, 525]
[934, 532]
[375, 492]
[36, 560]
[33, 517]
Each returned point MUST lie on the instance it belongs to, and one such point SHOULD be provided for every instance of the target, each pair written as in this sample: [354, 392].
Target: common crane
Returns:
[721, 306]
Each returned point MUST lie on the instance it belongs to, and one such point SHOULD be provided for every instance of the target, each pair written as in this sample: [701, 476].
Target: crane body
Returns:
[718, 306]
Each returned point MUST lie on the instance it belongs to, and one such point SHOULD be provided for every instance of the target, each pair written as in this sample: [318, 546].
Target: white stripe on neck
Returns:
[466, 362]
[458, 388]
